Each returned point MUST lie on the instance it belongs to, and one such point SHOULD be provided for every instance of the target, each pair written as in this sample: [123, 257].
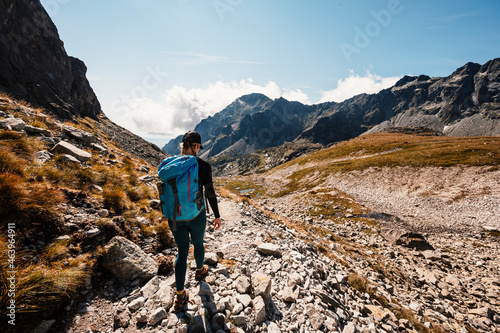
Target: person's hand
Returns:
[217, 223]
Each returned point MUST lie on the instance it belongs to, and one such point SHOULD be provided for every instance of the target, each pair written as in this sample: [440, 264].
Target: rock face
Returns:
[34, 65]
[127, 261]
[466, 103]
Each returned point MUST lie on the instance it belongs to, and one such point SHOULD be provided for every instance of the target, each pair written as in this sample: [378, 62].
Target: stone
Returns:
[269, 249]
[426, 275]
[405, 238]
[239, 320]
[218, 322]
[295, 279]
[273, 328]
[245, 300]
[44, 327]
[136, 304]
[350, 328]
[165, 294]
[259, 310]
[205, 289]
[122, 318]
[43, 156]
[127, 261]
[14, 124]
[242, 285]
[261, 285]
[317, 319]
[289, 295]
[38, 131]
[482, 312]
[150, 288]
[78, 134]
[211, 258]
[103, 212]
[68, 158]
[64, 147]
[156, 316]
[92, 232]
[380, 314]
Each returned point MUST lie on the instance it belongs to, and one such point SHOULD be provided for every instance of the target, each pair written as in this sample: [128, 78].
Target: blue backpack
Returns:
[181, 195]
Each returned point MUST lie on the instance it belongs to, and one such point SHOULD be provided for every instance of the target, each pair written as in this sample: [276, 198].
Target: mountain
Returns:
[466, 103]
[35, 67]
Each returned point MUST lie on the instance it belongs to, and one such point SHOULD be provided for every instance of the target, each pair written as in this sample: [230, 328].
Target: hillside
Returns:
[322, 242]
[465, 103]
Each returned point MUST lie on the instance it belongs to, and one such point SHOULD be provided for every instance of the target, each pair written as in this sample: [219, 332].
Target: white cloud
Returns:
[355, 85]
[182, 109]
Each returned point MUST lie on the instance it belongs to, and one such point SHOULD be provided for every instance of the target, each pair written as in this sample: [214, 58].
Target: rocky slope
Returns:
[271, 271]
[466, 103]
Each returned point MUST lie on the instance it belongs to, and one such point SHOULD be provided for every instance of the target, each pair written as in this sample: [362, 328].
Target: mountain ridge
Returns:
[465, 103]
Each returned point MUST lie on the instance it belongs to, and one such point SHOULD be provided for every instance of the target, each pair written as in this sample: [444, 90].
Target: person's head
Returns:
[191, 143]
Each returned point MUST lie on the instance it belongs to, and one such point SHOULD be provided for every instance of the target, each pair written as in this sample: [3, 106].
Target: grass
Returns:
[33, 195]
[390, 150]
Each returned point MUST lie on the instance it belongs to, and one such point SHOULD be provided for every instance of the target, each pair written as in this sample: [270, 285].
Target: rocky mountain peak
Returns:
[35, 67]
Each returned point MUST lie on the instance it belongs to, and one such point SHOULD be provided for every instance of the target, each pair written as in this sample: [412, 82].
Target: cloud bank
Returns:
[181, 109]
[355, 85]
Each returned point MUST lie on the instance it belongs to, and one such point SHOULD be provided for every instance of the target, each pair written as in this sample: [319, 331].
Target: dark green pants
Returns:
[195, 228]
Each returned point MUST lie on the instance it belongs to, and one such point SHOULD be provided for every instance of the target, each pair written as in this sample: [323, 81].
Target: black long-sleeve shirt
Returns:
[205, 176]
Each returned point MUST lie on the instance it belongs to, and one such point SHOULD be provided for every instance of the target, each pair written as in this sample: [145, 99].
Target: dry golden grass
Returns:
[40, 286]
[390, 150]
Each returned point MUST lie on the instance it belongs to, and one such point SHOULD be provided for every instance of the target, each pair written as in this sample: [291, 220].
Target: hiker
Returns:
[182, 230]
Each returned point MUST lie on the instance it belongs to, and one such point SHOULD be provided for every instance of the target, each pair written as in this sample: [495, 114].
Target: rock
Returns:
[37, 130]
[317, 319]
[218, 322]
[78, 134]
[380, 314]
[242, 285]
[165, 294]
[239, 320]
[103, 212]
[350, 328]
[205, 289]
[69, 159]
[273, 328]
[198, 324]
[157, 316]
[127, 261]
[211, 258]
[289, 295]
[64, 147]
[14, 124]
[122, 317]
[245, 300]
[295, 279]
[98, 147]
[136, 304]
[406, 238]
[259, 310]
[92, 232]
[150, 288]
[43, 156]
[269, 249]
[261, 285]
[426, 276]
[44, 327]
[483, 312]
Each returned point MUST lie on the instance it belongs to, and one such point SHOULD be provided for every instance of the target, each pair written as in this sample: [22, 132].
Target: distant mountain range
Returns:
[466, 103]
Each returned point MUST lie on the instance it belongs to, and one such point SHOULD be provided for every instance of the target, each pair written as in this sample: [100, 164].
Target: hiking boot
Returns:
[180, 300]
[201, 273]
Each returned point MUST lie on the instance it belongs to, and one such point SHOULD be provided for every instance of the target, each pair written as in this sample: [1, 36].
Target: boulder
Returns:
[269, 249]
[64, 147]
[261, 285]
[127, 261]
[79, 135]
[14, 124]
[406, 238]
[38, 131]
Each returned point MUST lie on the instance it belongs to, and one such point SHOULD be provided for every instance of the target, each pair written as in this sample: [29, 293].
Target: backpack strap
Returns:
[177, 208]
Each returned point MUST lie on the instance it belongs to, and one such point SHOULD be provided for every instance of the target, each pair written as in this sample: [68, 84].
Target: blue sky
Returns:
[160, 66]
